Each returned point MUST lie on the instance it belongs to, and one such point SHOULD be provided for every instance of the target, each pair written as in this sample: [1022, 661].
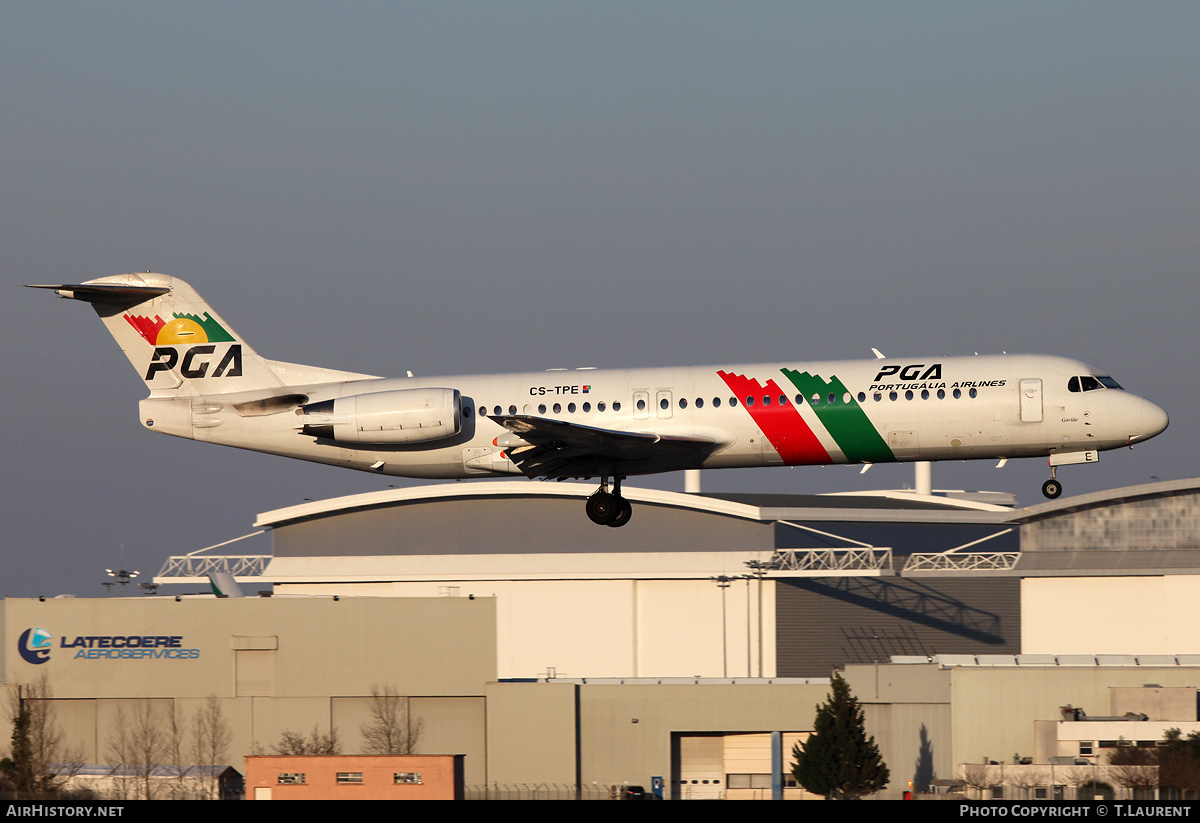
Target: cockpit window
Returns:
[1089, 382]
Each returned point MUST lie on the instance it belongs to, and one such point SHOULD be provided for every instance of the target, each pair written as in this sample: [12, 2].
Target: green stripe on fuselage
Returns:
[845, 421]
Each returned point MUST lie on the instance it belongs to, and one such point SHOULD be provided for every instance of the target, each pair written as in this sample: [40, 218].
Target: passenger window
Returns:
[542, 408]
[733, 401]
[699, 402]
[571, 408]
[664, 404]
[908, 395]
[892, 395]
[941, 394]
[957, 393]
[749, 401]
[862, 396]
[974, 393]
[558, 408]
[641, 405]
[766, 400]
[782, 400]
[599, 407]
[512, 409]
[716, 402]
[832, 398]
[617, 406]
[587, 407]
[924, 394]
[683, 402]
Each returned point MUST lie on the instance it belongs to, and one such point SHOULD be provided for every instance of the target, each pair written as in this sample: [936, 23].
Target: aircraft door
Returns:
[1031, 400]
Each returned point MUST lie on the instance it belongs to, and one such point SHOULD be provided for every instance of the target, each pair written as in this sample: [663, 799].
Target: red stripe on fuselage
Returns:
[780, 422]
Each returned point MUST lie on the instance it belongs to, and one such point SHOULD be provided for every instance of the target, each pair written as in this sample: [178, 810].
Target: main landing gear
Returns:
[607, 508]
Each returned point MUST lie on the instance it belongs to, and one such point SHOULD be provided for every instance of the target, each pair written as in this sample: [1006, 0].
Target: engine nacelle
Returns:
[386, 417]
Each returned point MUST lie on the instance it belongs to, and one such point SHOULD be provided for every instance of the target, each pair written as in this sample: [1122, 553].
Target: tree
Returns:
[1179, 762]
[18, 768]
[211, 738]
[40, 763]
[392, 728]
[838, 759]
[1134, 768]
[315, 743]
[978, 777]
[139, 741]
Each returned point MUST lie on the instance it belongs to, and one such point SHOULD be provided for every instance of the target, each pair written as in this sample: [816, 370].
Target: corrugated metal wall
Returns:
[827, 622]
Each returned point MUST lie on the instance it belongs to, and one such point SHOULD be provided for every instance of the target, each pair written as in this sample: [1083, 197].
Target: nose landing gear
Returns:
[606, 508]
[1052, 488]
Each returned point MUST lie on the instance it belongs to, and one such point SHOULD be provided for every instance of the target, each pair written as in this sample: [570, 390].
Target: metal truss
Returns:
[965, 562]
[826, 561]
[200, 566]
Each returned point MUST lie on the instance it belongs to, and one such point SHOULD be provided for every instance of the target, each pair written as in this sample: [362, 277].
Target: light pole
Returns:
[723, 582]
[122, 577]
[760, 569]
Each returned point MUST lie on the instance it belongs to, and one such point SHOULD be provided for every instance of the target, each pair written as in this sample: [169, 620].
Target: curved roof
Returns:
[885, 505]
[497, 489]
[1108, 497]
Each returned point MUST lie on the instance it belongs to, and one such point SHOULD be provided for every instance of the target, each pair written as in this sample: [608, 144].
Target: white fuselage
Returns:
[888, 410]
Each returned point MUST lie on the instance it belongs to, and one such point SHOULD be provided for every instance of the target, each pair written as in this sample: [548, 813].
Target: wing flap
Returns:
[557, 448]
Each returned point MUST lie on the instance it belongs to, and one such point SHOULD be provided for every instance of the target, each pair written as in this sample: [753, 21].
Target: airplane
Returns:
[206, 383]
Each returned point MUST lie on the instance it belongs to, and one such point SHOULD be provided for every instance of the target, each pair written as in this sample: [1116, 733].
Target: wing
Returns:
[556, 448]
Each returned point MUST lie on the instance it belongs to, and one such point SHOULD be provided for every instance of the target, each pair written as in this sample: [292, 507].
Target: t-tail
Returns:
[178, 344]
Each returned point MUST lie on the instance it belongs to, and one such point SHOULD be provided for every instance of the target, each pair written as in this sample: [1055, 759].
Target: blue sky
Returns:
[486, 187]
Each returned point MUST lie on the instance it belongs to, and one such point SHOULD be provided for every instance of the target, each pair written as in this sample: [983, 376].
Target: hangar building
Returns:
[756, 585]
[691, 645]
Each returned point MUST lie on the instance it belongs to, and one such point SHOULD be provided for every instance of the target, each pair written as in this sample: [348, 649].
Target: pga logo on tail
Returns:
[168, 337]
[165, 358]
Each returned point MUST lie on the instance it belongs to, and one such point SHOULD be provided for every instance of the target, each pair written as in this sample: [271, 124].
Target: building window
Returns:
[406, 777]
[291, 778]
[748, 781]
[349, 777]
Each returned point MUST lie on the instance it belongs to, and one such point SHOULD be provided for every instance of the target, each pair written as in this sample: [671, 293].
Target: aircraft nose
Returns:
[1152, 420]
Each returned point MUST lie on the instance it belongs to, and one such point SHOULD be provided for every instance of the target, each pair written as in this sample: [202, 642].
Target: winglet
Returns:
[878, 354]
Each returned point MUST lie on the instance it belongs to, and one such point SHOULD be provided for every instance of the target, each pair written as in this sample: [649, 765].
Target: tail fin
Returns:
[174, 339]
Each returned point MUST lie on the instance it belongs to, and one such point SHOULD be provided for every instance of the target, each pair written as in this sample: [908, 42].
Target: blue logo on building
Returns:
[34, 646]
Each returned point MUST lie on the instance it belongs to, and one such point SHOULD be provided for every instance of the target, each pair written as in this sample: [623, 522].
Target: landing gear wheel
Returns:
[624, 512]
[1052, 488]
[603, 508]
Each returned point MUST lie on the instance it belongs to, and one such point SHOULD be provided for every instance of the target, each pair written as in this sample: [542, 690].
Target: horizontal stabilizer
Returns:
[107, 294]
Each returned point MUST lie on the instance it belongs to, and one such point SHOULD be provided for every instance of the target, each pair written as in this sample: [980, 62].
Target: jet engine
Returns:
[387, 417]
